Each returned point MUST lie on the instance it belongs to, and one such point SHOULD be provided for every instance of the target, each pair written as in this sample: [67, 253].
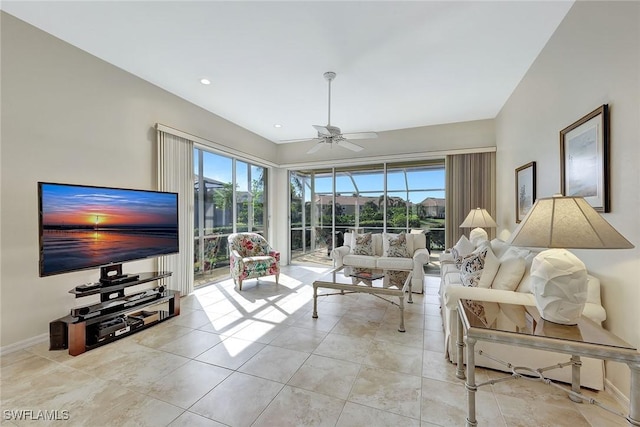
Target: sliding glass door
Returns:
[392, 197]
[229, 197]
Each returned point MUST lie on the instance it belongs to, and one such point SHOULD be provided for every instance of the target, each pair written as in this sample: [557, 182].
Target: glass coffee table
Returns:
[529, 329]
[361, 280]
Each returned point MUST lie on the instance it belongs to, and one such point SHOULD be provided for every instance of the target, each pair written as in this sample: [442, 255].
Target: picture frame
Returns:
[525, 189]
[584, 159]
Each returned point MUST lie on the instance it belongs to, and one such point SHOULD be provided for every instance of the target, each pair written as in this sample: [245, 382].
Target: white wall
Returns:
[71, 118]
[420, 140]
[592, 59]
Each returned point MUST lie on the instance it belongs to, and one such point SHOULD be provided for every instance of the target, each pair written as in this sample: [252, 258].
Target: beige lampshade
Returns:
[478, 218]
[566, 222]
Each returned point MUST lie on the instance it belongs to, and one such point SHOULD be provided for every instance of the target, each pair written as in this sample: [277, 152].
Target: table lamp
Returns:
[559, 278]
[480, 219]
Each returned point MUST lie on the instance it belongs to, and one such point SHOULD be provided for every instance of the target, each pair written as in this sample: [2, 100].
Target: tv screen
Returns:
[84, 227]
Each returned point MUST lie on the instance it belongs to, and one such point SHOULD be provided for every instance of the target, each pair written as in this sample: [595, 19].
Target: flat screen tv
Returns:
[83, 227]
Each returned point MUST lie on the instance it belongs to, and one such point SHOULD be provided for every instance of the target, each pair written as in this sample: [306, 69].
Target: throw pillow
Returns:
[509, 274]
[471, 268]
[395, 245]
[362, 244]
[491, 267]
[464, 246]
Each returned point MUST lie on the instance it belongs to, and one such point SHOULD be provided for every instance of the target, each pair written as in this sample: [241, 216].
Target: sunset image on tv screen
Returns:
[84, 227]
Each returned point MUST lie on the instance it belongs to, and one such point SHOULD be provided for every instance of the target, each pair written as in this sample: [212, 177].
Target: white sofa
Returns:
[416, 246]
[452, 290]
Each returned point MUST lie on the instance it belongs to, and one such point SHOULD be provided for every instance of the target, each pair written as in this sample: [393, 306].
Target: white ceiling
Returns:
[398, 64]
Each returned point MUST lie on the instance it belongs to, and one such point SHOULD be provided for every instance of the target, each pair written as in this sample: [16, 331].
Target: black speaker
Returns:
[58, 335]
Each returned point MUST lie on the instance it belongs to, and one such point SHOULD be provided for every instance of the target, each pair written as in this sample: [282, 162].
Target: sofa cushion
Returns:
[363, 261]
[395, 245]
[362, 244]
[394, 263]
[510, 273]
[463, 247]
[491, 267]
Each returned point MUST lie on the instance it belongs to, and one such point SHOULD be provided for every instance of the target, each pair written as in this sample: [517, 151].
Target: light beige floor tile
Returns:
[160, 334]
[42, 349]
[410, 338]
[187, 384]
[326, 375]
[356, 326]
[433, 323]
[300, 339]
[434, 341]
[445, 403]
[324, 323]
[238, 400]
[28, 367]
[192, 344]
[16, 356]
[388, 390]
[231, 353]
[196, 319]
[296, 407]
[227, 324]
[412, 320]
[189, 419]
[371, 312]
[395, 357]
[521, 412]
[344, 347]
[354, 415]
[138, 411]
[275, 363]
[260, 331]
[437, 367]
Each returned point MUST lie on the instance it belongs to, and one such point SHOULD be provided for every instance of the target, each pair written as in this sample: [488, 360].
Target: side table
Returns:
[586, 339]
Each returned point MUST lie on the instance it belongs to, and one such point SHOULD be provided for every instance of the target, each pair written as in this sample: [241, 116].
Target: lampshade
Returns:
[478, 218]
[566, 222]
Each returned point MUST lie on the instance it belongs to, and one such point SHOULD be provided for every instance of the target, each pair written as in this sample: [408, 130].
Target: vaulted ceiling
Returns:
[398, 64]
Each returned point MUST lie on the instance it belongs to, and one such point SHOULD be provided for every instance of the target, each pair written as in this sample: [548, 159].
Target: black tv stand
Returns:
[111, 275]
[116, 315]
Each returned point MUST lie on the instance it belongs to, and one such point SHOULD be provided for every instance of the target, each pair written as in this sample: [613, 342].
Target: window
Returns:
[229, 197]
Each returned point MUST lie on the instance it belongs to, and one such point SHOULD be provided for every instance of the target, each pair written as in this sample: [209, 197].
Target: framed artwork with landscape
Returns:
[525, 189]
[584, 159]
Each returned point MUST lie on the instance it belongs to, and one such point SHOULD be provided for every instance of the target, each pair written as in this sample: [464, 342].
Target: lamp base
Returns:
[559, 284]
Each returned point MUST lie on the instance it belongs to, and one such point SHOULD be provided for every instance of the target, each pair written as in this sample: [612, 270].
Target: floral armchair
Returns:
[252, 257]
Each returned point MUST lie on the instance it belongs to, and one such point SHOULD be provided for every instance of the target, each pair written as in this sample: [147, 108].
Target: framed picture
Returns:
[525, 189]
[584, 159]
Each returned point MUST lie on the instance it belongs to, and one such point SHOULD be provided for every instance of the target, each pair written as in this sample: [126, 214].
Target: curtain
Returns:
[470, 184]
[175, 174]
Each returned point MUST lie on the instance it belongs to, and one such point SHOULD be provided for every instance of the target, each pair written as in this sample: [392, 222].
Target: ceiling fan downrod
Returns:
[329, 75]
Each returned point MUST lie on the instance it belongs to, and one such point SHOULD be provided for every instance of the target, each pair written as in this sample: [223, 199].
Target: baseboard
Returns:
[616, 393]
[21, 345]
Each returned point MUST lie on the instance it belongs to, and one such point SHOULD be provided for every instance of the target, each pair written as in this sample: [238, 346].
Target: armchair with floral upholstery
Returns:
[251, 256]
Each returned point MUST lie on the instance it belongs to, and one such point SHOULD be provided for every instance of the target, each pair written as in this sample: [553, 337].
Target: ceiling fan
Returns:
[329, 135]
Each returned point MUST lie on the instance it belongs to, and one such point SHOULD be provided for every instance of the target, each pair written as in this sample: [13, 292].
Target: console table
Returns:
[350, 280]
[586, 339]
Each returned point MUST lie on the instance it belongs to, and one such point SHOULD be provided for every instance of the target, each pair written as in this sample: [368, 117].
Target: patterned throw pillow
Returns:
[471, 268]
[397, 246]
[363, 244]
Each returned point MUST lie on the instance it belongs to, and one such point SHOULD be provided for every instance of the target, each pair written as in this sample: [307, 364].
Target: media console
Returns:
[116, 315]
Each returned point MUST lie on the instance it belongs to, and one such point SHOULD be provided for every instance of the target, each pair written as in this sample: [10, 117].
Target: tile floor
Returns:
[257, 358]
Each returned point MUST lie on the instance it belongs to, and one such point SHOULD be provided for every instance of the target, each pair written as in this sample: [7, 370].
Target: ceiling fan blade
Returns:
[322, 130]
[360, 135]
[298, 140]
[349, 145]
[315, 148]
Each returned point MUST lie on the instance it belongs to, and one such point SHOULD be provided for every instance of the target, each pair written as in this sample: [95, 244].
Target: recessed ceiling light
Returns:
[205, 81]
[277, 125]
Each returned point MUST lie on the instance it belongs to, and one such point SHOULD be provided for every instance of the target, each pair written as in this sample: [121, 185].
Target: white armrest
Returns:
[338, 253]
[454, 293]
[595, 312]
[421, 256]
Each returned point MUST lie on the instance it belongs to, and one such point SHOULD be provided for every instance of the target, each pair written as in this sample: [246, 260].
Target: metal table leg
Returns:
[315, 302]
[471, 383]
[460, 348]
